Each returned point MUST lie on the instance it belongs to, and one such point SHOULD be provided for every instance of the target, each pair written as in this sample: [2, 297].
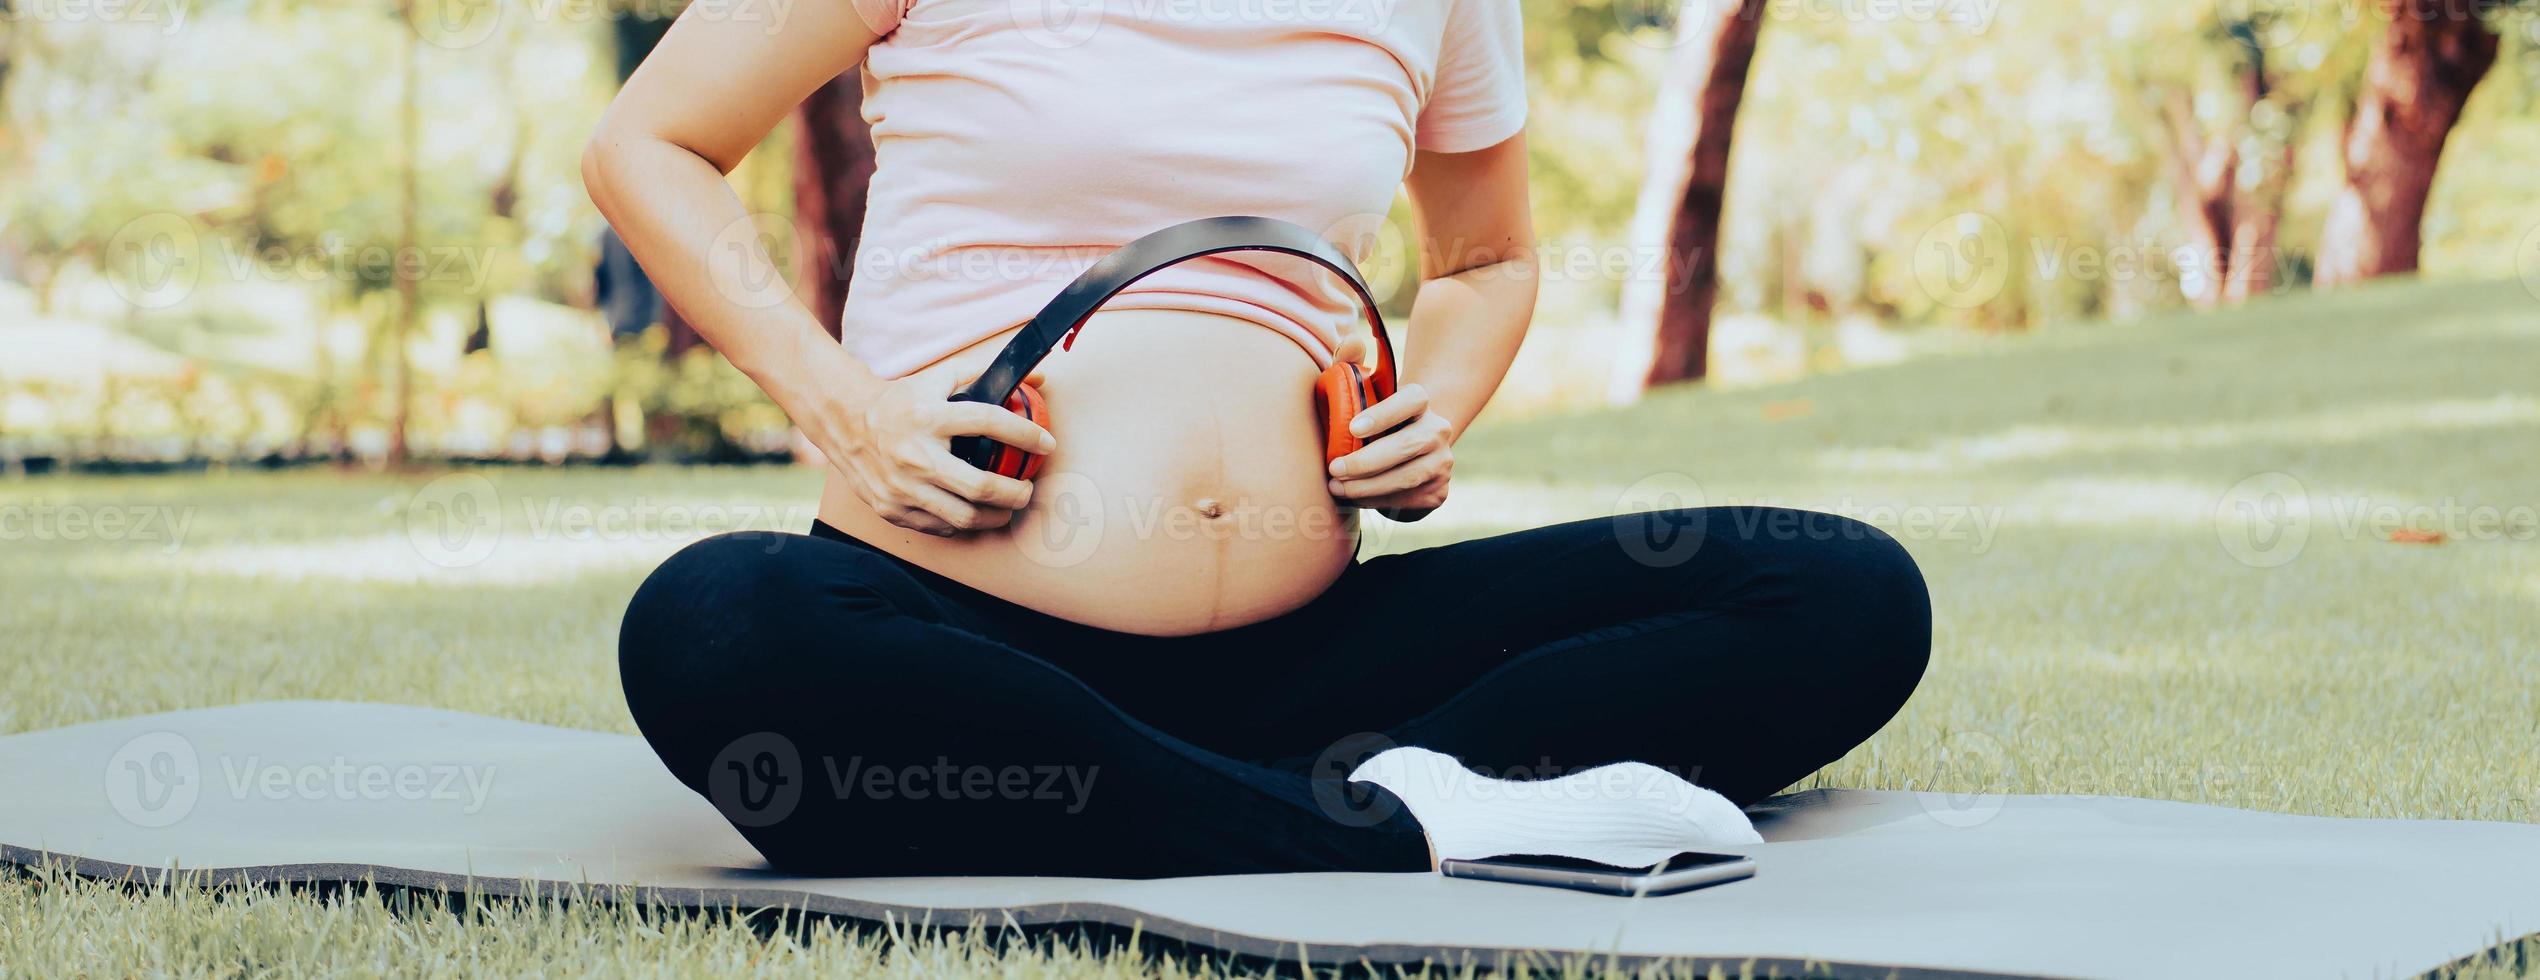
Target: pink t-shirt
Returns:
[1017, 141]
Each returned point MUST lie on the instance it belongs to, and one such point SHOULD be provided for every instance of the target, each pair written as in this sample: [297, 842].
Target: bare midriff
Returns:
[1187, 494]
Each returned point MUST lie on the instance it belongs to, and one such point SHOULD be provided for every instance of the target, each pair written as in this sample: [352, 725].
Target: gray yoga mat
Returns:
[1850, 883]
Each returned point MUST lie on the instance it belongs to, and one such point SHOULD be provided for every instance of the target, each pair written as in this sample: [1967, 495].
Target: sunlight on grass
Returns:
[393, 559]
[2326, 427]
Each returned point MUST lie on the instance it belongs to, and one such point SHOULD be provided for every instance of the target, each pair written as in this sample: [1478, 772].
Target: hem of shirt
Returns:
[894, 365]
[1297, 332]
[1478, 134]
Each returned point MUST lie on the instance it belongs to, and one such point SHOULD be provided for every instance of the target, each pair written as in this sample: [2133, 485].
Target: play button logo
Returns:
[154, 779]
[757, 780]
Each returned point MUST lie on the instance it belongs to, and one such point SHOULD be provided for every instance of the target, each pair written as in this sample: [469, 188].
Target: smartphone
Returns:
[1682, 873]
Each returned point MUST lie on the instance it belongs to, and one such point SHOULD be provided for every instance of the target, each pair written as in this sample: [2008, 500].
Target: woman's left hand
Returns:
[1402, 474]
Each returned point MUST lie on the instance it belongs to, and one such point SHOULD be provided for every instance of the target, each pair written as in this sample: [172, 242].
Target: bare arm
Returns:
[715, 86]
[1477, 293]
[1477, 296]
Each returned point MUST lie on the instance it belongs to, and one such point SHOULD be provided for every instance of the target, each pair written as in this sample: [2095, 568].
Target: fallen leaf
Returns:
[2409, 535]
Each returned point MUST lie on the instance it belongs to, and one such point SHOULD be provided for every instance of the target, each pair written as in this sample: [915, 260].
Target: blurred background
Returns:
[283, 231]
[2187, 345]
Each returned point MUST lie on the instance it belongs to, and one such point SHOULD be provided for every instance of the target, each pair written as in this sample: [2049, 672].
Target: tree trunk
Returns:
[1688, 179]
[2257, 210]
[2202, 167]
[833, 169]
[409, 303]
[2430, 57]
[2256, 216]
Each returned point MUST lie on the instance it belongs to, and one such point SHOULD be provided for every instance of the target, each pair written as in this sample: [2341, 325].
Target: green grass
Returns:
[2107, 622]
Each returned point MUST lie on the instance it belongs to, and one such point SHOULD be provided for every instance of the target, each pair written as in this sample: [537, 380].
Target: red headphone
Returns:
[1344, 389]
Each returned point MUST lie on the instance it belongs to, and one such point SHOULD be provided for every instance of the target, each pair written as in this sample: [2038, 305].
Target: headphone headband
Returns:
[1145, 256]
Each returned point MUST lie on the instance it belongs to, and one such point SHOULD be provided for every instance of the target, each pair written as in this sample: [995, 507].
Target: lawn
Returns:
[2286, 558]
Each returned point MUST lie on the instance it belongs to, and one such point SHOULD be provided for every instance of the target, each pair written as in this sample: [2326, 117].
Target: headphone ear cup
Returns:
[1339, 395]
[1008, 461]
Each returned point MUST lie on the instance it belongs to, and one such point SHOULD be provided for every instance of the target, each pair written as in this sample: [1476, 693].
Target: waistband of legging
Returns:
[949, 588]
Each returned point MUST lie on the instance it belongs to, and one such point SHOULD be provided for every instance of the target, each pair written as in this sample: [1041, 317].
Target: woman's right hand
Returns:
[714, 87]
[895, 449]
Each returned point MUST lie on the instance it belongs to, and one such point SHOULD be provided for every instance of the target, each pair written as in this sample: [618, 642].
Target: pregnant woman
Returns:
[1160, 656]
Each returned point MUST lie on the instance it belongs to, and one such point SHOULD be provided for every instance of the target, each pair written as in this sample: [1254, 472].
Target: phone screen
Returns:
[1683, 861]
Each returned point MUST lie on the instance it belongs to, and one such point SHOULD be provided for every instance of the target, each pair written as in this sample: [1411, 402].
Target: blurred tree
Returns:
[1901, 145]
[1687, 182]
[2431, 55]
[635, 29]
[2228, 167]
[1592, 66]
[2058, 155]
[503, 197]
[409, 302]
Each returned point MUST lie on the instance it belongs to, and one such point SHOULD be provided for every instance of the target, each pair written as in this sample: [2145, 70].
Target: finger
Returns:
[995, 422]
[1395, 480]
[952, 512]
[1408, 402]
[914, 519]
[1428, 496]
[979, 486]
[1037, 379]
[1351, 351]
[1390, 450]
[896, 509]
[990, 519]
[1413, 504]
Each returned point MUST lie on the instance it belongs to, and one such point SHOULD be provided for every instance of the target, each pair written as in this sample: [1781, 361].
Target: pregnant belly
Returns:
[1187, 494]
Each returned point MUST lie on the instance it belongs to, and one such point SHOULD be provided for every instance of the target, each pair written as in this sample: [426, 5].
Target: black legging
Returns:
[854, 714]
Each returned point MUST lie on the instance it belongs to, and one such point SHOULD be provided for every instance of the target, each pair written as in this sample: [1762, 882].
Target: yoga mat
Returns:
[1868, 884]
